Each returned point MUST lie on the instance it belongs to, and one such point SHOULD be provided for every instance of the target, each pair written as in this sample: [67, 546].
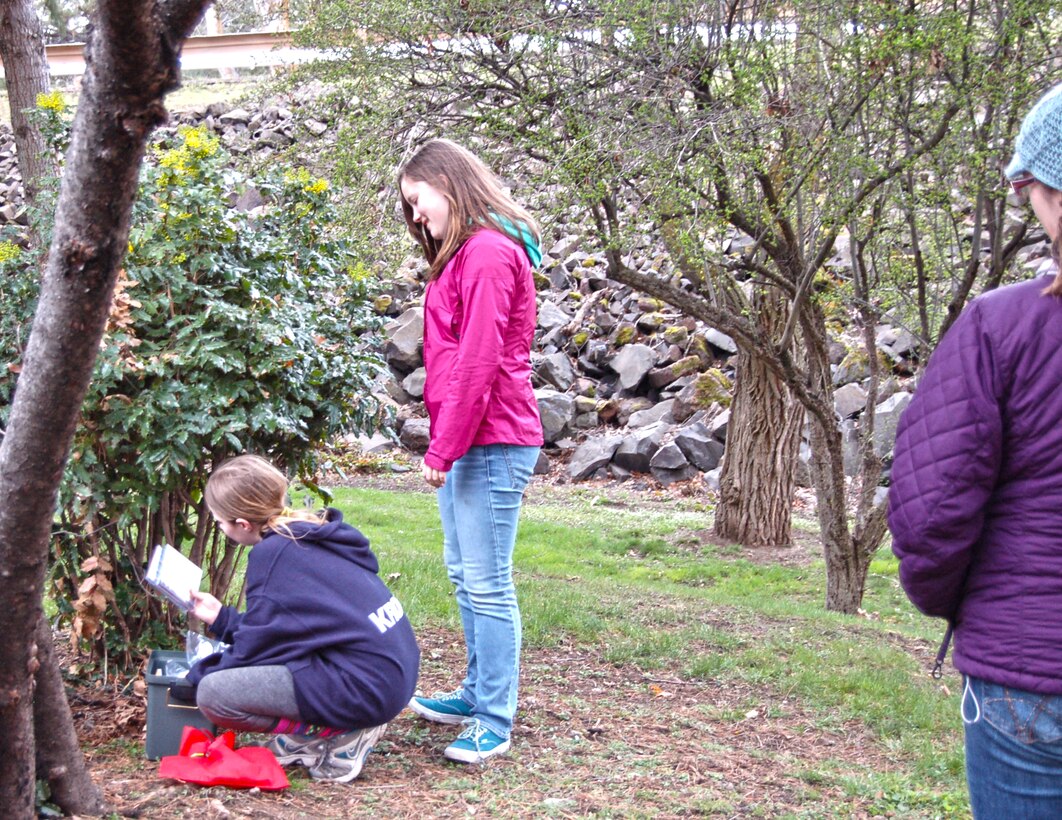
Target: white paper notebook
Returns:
[173, 575]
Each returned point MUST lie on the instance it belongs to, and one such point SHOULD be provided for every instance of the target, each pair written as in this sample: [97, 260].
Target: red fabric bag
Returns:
[211, 761]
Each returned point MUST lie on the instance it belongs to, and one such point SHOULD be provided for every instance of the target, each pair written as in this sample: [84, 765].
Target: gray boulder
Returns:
[637, 449]
[670, 465]
[719, 340]
[849, 400]
[700, 447]
[551, 317]
[404, 341]
[592, 455]
[557, 411]
[718, 424]
[651, 415]
[413, 384]
[632, 363]
[556, 369]
[886, 417]
[415, 435]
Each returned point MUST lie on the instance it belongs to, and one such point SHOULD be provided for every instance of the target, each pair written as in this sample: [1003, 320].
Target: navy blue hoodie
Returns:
[316, 605]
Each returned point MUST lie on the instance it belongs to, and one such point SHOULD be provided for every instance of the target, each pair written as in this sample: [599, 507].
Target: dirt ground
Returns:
[592, 739]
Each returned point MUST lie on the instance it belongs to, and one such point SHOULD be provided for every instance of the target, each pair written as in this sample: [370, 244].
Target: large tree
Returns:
[132, 61]
[759, 142]
[26, 76]
[58, 757]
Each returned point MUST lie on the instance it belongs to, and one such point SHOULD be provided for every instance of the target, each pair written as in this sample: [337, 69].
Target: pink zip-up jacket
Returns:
[479, 321]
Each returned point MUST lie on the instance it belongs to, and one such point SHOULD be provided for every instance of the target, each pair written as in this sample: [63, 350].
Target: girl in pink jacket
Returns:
[479, 321]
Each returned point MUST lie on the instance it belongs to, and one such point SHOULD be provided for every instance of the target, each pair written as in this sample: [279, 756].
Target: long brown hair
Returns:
[251, 488]
[1055, 288]
[475, 196]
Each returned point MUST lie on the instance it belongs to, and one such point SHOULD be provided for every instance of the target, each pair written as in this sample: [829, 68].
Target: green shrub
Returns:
[231, 330]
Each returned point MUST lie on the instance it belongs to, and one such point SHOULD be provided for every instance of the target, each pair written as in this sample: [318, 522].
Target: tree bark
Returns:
[762, 445]
[26, 74]
[847, 556]
[59, 758]
[132, 61]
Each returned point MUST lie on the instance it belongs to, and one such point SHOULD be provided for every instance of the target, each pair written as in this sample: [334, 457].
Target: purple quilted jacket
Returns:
[975, 505]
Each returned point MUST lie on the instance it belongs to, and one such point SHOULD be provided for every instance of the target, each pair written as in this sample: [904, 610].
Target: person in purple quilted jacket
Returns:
[975, 506]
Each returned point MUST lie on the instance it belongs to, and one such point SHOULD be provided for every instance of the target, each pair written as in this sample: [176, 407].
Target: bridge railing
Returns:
[221, 52]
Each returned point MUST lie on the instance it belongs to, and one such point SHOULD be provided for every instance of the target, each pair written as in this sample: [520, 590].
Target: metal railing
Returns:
[221, 52]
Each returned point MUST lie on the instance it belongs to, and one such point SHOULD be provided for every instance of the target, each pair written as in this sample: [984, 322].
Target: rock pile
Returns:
[624, 384]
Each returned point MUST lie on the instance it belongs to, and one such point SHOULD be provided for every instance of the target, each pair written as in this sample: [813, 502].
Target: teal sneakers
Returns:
[443, 707]
[476, 743]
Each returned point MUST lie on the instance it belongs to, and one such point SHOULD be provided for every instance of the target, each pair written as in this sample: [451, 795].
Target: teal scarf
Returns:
[522, 234]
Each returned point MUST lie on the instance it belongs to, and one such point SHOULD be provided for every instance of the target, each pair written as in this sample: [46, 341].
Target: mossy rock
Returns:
[625, 334]
[713, 387]
[651, 321]
[676, 335]
[690, 364]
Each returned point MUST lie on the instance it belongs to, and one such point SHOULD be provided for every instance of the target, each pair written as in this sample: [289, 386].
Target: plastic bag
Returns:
[211, 761]
[176, 668]
[198, 646]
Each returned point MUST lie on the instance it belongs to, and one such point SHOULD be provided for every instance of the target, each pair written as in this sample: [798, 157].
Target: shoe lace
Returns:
[454, 695]
[473, 731]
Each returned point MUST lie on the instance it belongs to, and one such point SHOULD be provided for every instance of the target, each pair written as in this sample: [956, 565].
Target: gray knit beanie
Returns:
[1038, 150]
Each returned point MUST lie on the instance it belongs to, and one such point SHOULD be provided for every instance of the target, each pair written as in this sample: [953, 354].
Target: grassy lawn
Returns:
[634, 583]
[193, 92]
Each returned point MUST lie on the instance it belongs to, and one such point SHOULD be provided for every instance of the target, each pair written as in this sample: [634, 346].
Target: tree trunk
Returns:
[847, 558]
[26, 74]
[846, 566]
[59, 758]
[762, 446]
[131, 63]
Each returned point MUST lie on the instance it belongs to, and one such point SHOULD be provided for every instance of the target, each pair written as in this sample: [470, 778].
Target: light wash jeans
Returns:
[480, 505]
[1013, 752]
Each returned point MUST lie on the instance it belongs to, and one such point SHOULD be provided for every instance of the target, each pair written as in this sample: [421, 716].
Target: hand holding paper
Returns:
[205, 607]
[173, 575]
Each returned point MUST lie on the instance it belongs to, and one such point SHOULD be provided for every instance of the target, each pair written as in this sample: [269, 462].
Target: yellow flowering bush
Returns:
[195, 145]
[231, 330]
[302, 178]
[9, 252]
[52, 101]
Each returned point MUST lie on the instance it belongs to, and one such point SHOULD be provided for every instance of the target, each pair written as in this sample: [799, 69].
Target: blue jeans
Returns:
[1013, 752]
[480, 505]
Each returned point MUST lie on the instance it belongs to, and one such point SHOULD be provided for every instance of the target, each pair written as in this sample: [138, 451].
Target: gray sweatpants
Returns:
[248, 699]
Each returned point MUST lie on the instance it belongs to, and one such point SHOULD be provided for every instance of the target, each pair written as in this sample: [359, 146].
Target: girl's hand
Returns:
[206, 607]
[435, 478]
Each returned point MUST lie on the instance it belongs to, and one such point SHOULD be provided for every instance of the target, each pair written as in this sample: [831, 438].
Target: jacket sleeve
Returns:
[945, 465]
[486, 287]
[263, 634]
[226, 624]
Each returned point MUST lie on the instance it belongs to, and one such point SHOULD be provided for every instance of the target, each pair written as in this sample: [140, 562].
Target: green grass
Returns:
[636, 583]
[191, 93]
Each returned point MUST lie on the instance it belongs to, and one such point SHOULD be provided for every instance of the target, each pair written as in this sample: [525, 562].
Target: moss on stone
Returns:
[713, 387]
[625, 335]
[676, 335]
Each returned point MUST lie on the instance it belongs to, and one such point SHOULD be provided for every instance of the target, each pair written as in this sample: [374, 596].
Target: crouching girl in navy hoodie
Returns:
[323, 656]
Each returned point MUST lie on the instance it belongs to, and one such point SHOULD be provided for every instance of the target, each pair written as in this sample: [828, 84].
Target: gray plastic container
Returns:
[165, 719]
